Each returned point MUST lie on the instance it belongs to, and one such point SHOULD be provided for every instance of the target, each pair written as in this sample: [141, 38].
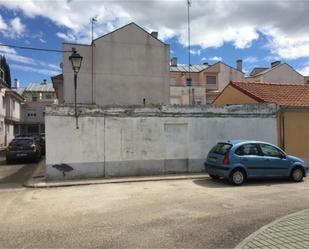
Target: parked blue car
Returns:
[239, 160]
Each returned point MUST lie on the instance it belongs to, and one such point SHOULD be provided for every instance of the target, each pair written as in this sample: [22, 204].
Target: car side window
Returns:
[269, 150]
[247, 150]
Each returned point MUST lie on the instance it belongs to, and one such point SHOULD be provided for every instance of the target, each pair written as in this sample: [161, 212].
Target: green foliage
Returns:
[6, 69]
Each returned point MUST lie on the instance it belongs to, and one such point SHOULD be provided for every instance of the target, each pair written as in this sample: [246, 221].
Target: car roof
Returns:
[22, 138]
[242, 141]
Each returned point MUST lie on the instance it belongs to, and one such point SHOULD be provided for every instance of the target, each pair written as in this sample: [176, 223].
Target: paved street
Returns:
[15, 174]
[170, 214]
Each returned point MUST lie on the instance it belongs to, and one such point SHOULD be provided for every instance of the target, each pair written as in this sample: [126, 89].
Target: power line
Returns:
[35, 49]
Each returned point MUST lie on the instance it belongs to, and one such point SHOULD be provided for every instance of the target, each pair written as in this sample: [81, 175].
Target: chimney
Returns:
[239, 65]
[275, 63]
[205, 63]
[174, 62]
[16, 83]
[44, 82]
[154, 34]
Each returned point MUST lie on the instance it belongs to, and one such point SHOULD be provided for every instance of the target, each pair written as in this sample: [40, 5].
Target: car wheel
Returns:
[297, 175]
[214, 176]
[237, 177]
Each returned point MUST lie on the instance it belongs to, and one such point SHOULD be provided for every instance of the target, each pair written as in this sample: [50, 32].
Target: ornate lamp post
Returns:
[76, 61]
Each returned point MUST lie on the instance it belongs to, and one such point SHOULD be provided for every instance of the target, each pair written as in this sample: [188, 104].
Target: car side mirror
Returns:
[282, 156]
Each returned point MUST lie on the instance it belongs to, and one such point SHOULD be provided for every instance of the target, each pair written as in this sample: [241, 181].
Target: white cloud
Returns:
[42, 40]
[11, 54]
[17, 26]
[3, 25]
[196, 52]
[215, 58]
[251, 59]
[42, 71]
[241, 22]
[304, 71]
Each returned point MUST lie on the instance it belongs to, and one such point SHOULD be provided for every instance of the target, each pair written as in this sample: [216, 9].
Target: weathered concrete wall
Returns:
[146, 141]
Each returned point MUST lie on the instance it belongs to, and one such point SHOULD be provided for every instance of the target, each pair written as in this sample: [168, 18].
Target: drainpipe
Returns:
[282, 128]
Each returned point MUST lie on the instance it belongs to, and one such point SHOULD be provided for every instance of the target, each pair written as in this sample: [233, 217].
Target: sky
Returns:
[256, 31]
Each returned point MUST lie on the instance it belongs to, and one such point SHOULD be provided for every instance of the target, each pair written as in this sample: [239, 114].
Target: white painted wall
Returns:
[129, 65]
[112, 142]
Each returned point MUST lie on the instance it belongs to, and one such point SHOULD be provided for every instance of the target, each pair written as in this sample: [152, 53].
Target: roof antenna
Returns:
[93, 20]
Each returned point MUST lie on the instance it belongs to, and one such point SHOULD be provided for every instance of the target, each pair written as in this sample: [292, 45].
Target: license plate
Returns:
[212, 159]
[21, 154]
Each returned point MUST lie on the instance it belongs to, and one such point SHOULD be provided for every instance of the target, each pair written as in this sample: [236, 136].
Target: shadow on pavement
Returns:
[223, 183]
[18, 177]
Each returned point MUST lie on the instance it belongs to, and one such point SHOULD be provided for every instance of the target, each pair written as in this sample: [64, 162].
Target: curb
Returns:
[43, 184]
[263, 228]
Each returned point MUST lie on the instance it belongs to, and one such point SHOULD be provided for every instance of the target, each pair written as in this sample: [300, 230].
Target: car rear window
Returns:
[21, 141]
[221, 148]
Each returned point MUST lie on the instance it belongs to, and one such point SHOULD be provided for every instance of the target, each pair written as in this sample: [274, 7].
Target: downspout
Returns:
[282, 128]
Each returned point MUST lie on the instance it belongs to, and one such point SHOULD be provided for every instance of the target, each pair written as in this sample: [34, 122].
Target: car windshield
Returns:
[21, 141]
[221, 148]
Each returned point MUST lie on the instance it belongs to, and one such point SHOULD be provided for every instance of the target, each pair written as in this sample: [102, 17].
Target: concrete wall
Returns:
[129, 65]
[146, 141]
[185, 96]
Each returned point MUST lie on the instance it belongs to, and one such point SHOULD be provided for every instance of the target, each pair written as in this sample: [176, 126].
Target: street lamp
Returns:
[76, 61]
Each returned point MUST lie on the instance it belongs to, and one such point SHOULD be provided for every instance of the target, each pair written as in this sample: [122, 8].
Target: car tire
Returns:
[214, 177]
[237, 177]
[297, 175]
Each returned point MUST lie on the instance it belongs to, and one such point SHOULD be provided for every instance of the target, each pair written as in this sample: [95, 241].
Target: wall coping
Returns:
[260, 109]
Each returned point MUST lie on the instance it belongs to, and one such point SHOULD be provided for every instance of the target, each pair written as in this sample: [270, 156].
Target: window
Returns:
[1, 127]
[34, 98]
[1, 74]
[211, 79]
[48, 96]
[248, 150]
[3, 102]
[269, 150]
[221, 148]
[31, 114]
[13, 105]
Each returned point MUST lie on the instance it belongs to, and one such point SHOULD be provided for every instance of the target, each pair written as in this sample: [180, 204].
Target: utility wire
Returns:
[35, 49]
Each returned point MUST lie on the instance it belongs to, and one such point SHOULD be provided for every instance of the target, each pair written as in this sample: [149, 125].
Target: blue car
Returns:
[239, 160]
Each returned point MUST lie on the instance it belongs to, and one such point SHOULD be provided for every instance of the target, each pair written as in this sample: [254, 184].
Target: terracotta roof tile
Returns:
[282, 94]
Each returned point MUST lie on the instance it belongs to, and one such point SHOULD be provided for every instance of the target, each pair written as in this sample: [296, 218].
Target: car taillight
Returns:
[33, 147]
[226, 159]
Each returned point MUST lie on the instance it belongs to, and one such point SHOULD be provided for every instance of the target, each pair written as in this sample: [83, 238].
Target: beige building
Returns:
[293, 117]
[10, 102]
[37, 96]
[207, 81]
[277, 73]
[128, 66]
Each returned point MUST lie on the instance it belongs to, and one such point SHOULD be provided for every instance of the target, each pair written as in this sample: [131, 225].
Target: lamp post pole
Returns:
[75, 99]
[76, 61]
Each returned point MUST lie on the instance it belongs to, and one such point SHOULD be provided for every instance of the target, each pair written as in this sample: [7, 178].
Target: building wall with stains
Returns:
[146, 141]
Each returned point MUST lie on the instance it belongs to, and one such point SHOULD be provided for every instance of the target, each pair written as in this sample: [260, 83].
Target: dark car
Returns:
[40, 140]
[238, 160]
[25, 148]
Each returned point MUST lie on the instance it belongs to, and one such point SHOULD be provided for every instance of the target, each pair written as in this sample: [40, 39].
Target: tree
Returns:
[6, 69]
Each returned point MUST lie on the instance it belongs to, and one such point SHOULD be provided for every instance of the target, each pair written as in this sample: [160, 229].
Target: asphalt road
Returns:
[165, 214]
[15, 174]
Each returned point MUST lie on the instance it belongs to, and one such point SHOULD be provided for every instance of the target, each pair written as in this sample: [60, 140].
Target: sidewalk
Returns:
[291, 231]
[38, 181]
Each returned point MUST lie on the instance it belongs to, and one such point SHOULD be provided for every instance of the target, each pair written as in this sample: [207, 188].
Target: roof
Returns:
[20, 90]
[14, 93]
[257, 70]
[185, 68]
[295, 95]
[39, 87]
[130, 24]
